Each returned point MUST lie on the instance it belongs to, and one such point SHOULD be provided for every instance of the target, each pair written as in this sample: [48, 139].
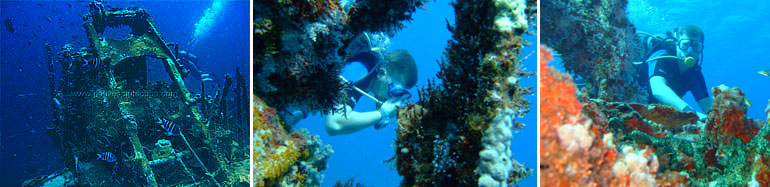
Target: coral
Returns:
[163, 150]
[666, 115]
[298, 54]
[473, 108]
[350, 182]
[727, 119]
[382, 16]
[573, 151]
[639, 166]
[496, 157]
[597, 42]
[279, 161]
[282, 157]
[560, 89]
[615, 141]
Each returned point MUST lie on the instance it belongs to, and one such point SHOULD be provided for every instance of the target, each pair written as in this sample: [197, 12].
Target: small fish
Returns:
[107, 156]
[9, 25]
[168, 126]
[26, 94]
[92, 62]
[765, 73]
[747, 102]
[204, 75]
[206, 79]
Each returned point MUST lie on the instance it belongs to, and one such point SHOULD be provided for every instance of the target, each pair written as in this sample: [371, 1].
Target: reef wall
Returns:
[597, 42]
[462, 128]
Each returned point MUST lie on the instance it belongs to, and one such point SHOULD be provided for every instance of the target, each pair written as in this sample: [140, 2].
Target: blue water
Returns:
[26, 149]
[360, 154]
[736, 41]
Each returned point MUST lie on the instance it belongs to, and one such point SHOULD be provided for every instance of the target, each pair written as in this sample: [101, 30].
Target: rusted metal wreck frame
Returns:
[148, 43]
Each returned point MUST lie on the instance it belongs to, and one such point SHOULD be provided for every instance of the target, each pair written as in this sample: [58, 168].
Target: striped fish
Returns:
[106, 156]
[168, 126]
[92, 62]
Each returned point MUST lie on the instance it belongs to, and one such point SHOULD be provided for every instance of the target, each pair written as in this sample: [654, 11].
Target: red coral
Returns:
[763, 177]
[728, 117]
[665, 115]
[637, 124]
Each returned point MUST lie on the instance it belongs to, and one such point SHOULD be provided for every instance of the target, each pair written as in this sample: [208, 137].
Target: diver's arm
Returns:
[664, 94]
[339, 124]
[705, 104]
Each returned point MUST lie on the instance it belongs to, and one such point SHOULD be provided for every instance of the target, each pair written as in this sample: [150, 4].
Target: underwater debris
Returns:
[112, 106]
[598, 43]
[282, 157]
[473, 108]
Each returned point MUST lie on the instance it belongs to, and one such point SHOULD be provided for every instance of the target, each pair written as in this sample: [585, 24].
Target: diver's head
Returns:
[689, 44]
[398, 73]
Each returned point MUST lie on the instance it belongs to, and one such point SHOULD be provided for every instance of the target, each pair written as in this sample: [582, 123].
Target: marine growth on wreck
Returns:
[459, 133]
[115, 126]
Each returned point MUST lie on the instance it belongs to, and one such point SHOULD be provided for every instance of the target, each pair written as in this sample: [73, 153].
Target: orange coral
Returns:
[559, 106]
[274, 151]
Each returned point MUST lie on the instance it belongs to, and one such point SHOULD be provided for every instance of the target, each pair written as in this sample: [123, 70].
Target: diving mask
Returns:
[695, 45]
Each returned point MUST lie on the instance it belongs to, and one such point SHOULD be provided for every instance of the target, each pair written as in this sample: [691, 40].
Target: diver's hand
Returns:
[387, 111]
[389, 107]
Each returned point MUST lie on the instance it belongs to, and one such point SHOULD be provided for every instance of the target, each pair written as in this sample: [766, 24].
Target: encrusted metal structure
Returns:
[115, 127]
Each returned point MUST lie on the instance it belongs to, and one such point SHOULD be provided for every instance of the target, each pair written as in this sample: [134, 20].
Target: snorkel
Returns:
[398, 91]
[689, 61]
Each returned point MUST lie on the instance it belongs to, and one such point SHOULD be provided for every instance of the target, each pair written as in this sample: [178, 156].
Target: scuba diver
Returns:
[188, 63]
[387, 76]
[673, 67]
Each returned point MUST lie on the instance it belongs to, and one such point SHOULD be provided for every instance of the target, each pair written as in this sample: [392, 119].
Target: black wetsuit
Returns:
[369, 60]
[690, 80]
